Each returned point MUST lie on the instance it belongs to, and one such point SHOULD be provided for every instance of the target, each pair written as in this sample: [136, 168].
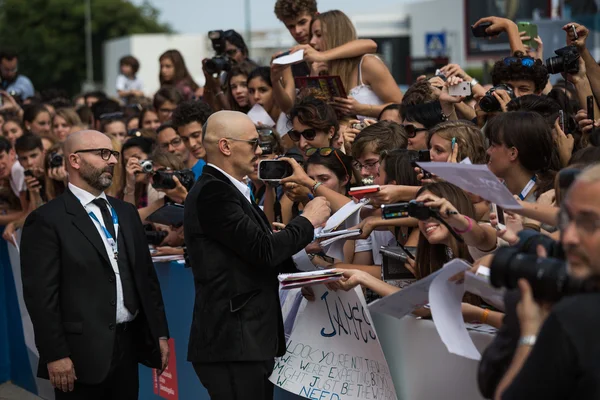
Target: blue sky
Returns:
[199, 16]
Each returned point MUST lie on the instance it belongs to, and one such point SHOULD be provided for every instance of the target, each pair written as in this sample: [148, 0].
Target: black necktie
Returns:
[106, 217]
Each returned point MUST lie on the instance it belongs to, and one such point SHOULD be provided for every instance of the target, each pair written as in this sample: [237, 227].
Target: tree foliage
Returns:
[49, 36]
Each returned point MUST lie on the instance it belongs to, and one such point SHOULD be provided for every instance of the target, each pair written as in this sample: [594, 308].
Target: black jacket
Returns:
[70, 291]
[235, 259]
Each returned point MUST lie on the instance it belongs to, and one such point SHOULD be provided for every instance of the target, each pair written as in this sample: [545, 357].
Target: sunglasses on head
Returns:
[326, 152]
[411, 130]
[524, 61]
[309, 134]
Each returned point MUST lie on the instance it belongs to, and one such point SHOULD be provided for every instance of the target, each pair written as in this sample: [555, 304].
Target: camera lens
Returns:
[555, 65]
[489, 103]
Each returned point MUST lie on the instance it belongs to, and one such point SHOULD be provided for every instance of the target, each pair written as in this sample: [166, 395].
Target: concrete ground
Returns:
[8, 391]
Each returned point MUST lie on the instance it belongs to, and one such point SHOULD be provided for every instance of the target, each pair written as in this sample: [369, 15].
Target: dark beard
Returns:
[95, 178]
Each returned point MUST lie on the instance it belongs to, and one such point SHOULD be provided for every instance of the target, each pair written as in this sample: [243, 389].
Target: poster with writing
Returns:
[334, 352]
[165, 385]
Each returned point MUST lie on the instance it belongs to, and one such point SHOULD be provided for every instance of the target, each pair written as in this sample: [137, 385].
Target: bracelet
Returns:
[474, 82]
[469, 228]
[126, 192]
[485, 315]
[219, 93]
[315, 186]
[528, 340]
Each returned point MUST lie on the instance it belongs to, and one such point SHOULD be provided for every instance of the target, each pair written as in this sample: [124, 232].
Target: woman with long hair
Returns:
[36, 119]
[173, 71]
[260, 91]
[64, 122]
[367, 80]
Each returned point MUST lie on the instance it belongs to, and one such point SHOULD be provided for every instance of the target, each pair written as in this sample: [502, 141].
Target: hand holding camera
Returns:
[492, 26]
[576, 35]
[133, 168]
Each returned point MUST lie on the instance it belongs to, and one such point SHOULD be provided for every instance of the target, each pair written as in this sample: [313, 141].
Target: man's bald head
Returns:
[226, 124]
[86, 139]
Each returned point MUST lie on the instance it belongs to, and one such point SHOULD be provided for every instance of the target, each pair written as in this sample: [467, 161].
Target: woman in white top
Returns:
[369, 83]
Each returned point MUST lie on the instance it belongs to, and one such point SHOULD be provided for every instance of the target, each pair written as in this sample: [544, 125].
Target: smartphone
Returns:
[479, 31]
[359, 126]
[29, 173]
[590, 107]
[287, 53]
[530, 30]
[274, 170]
[360, 191]
[561, 120]
[500, 214]
[462, 89]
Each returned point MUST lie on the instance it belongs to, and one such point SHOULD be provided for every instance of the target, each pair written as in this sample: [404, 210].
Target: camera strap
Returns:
[527, 189]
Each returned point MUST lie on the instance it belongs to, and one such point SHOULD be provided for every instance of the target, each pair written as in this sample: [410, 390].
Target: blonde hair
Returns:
[69, 115]
[118, 181]
[468, 137]
[337, 30]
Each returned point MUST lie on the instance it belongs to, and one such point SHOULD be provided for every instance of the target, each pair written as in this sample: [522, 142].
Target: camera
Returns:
[489, 103]
[164, 179]
[413, 208]
[566, 60]
[221, 62]
[147, 166]
[55, 160]
[154, 238]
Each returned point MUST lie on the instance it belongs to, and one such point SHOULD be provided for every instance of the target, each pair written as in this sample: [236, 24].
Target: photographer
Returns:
[557, 355]
[12, 81]
[138, 169]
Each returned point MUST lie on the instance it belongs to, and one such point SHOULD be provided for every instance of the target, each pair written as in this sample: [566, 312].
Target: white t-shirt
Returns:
[17, 179]
[126, 84]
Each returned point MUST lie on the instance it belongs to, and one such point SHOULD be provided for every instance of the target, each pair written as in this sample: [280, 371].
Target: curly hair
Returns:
[287, 9]
[315, 113]
[191, 111]
[418, 93]
[516, 71]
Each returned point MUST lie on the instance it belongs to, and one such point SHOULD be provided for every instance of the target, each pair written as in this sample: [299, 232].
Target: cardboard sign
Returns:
[334, 352]
[477, 179]
[165, 385]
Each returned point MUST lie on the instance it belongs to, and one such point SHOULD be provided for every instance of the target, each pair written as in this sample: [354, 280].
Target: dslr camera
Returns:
[55, 160]
[548, 277]
[489, 103]
[220, 62]
[164, 179]
[154, 237]
[566, 60]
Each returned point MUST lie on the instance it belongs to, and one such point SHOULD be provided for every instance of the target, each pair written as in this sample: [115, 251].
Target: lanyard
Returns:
[111, 241]
[251, 187]
[523, 195]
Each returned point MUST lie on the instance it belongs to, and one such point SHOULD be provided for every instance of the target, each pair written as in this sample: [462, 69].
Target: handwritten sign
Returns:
[333, 352]
[477, 179]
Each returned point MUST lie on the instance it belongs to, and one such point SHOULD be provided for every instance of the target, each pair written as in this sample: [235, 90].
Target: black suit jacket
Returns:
[70, 291]
[235, 259]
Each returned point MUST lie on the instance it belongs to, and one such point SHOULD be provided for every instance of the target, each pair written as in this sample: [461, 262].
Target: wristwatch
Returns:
[474, 82]
[528, 340]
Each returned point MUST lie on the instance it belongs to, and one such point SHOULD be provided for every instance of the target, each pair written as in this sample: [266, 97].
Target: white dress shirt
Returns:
[86, 198]
[241, 186]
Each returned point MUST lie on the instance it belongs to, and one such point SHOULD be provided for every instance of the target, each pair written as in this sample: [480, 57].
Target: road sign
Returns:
[435, 44]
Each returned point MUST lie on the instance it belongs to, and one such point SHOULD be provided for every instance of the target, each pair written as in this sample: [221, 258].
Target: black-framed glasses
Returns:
[175, 142]
[309, 134]
[326, 152]
[104, 153]
[411, 130]
[585, 223]
[524, 61]
[254, 142]
[369, 166]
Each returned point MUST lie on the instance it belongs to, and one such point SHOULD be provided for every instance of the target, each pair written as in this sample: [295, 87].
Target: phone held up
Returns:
[274, 170]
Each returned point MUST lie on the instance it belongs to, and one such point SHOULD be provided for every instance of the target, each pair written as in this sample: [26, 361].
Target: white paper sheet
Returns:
[259, 115]
[479, 286]
[445, 299]
[333, 352]
[302, 261]
[477, 179]
[290, 58]
[342, 215]
[283, 125]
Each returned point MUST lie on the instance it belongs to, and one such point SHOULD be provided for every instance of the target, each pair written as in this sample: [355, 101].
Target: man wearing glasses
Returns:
[169, 140]
[12, 81]
[557, 354]
[237, 327]
[89, 283]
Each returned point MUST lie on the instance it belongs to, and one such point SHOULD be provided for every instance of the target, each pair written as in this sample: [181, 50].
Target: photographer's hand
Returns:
[178, 193]
[531, 314]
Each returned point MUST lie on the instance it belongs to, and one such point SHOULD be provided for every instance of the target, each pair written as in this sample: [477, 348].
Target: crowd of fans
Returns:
[526, 130]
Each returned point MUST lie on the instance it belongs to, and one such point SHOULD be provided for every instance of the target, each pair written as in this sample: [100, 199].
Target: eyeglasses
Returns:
[524, 61]
[368, 166]
[253, 142]
[166, 110]
[584, 224]
[104, 153]
[309, 134]
[326, 152]
[411, 130]
[175, 142]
